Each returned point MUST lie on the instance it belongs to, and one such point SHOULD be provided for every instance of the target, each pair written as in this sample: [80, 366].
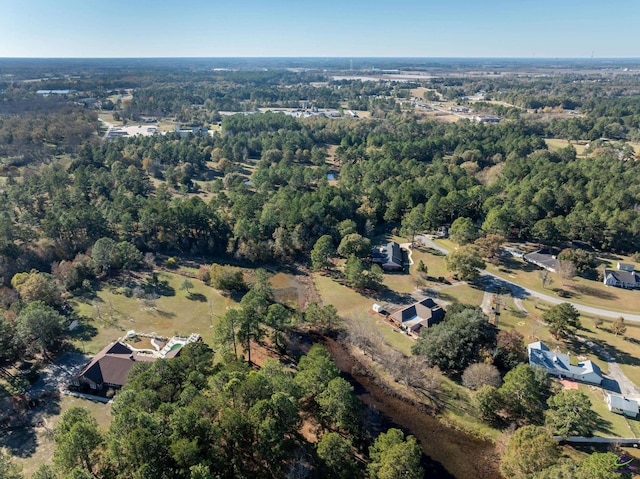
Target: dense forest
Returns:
[501, 177]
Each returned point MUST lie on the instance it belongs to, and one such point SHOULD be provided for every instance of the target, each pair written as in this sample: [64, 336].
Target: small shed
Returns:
[622, 405]
[626, 267]
[377, 308]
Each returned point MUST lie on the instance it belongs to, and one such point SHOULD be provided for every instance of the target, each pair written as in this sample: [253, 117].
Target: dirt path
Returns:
[450, 453]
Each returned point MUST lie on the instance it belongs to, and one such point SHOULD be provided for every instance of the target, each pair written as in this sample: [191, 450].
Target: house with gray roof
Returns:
[544, 259]
[558, 364]
[623, 277]
[422, 314]
[388, 256]
[621, 405]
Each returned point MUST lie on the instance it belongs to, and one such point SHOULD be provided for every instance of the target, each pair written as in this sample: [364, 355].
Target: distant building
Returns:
[621, 405]
[388, 256]
[487, 118]
[624, 277]
[202, 131]
[422, 314]
[558, 364]
[544, 259]
[55, 92]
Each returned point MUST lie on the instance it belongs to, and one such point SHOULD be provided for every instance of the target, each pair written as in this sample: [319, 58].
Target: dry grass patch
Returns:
[115, 309]
[555, 144]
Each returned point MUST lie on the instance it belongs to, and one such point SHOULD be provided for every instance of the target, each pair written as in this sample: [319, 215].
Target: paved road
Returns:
[493, 281]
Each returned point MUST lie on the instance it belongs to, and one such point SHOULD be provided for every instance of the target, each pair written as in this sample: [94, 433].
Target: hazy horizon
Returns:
[329, 29]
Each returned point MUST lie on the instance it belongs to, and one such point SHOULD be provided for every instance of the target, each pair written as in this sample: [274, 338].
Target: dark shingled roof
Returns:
[623, 276]
[543, 258]
[427, 309]
[389, 256]
[112, 364]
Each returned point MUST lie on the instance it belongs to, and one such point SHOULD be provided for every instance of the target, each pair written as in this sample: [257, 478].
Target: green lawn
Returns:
[111, 313]
[583, 291]
[462, 293]
[555, 144]
[354, 306]
[609, 424]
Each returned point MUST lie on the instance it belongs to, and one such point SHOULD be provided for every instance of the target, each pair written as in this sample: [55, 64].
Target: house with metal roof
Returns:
[558, 364]
[422, 314]
[621, 405]
[388, 256]
[544, 259]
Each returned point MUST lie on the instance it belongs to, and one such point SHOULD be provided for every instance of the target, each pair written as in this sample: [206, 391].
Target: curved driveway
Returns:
[495, 281]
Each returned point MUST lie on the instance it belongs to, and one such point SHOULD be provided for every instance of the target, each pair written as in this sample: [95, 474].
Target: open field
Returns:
[107, 116]
[111, 313]
[555, 144]
[354, 306]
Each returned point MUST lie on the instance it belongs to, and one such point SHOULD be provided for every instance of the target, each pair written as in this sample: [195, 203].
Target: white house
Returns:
[623, 277]
[559, 364]
[622, 405]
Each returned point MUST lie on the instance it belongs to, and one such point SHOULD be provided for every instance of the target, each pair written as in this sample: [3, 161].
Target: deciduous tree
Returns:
[322, 252]
[354, 245]
[463, 230]
[618, 326]
[480, 374]
[466, 262]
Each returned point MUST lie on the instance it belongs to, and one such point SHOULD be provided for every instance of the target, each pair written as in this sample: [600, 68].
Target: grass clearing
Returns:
[555, 144]
[582, 291]
[354, 306]
[110, 313]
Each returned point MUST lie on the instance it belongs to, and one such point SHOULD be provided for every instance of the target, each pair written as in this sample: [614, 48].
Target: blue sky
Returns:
[347, 28]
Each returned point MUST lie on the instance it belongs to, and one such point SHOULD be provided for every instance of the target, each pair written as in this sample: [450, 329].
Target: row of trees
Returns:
[186, 418]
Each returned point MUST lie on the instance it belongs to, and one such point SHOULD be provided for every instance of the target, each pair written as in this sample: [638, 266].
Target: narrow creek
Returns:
[450, 454]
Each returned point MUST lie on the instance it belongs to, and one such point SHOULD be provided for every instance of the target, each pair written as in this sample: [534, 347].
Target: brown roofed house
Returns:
[110, 367]
[422, 314]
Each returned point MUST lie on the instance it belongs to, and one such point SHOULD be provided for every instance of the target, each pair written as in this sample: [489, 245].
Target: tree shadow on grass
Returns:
[20, 437]
[594, 292]
[604, 426]
[165, 314]
[197, 297]
[388, 295]
[85, 330]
